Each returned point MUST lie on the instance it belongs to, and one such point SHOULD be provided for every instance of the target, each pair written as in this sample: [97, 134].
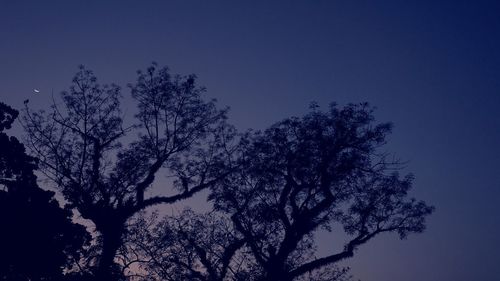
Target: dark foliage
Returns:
[37, 239]
[78, 143]
[272, 191]
[322, 171]
[188, 247]
[201, 248]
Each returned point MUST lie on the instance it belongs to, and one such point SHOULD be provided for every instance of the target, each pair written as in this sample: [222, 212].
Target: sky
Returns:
[430, 67]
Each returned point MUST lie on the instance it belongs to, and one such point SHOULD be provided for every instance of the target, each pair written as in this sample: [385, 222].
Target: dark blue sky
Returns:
[431, 67]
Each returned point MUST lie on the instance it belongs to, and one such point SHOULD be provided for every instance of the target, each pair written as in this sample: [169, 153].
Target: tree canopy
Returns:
[79, 144]
[38, 239]
[272, 191]
[325, 171]
[321, 171]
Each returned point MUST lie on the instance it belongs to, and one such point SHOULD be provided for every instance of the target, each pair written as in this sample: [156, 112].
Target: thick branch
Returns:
[141, 187]
[347, 253]
[174, 198]
[228, 255]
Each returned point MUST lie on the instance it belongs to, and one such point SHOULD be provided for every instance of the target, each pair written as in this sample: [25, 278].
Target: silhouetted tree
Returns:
[188, 247]
[78, 143]
[201, 247]
[272, 191]
[322, 171]
[38, 238]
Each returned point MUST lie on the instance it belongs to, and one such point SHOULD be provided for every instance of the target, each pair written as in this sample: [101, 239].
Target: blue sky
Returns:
[431, 67]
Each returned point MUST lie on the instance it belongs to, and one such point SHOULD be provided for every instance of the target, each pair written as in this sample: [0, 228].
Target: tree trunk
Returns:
[275, 271]
[111, 239]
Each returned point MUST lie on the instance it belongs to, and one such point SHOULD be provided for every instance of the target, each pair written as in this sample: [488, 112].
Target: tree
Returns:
[272, 191]
[190, 246]
[85, 149]
[322, 171]
[302, 175]
[38, 239]
[200, 247]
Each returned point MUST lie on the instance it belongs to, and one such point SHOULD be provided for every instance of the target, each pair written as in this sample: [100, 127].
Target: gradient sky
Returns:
[431, 67]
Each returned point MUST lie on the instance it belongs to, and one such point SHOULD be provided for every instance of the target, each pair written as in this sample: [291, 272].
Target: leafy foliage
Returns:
[38, 238]
[78, 144]
[272, 191]
[320, 171]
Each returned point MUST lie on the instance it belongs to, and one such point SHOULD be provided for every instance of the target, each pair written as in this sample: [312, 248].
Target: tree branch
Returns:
[347, 253]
